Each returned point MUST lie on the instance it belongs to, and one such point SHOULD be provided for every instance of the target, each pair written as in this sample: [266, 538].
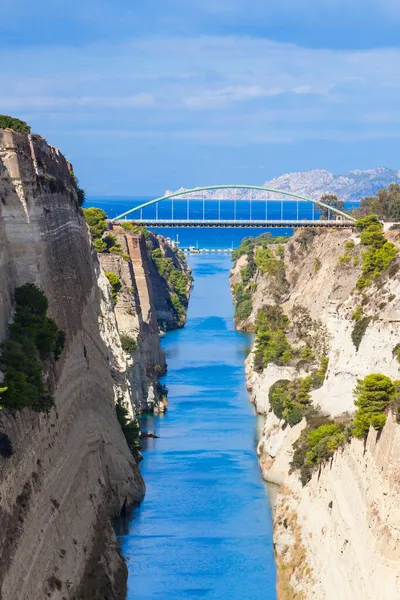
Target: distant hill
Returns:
[351, 186]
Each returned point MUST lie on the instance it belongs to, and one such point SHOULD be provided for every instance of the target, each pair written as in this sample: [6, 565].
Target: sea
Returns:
[218, 238]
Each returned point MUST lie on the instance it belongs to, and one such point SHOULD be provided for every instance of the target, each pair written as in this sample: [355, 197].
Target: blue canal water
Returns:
[204, 529]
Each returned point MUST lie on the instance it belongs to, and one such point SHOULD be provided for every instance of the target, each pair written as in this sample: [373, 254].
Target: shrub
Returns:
[396, 352]
[358, 313]
[373, 395]
[100, 245]
[263, 240]
[306, 354]
[279, 397]
[316, 445]
[178, 308]
[130, 427]
[318, 377]
[33, 338]
[128, 344]
[138, 229]
[290, 400]
[115, 284]
[7, 122]
[359, 331]
[271, 341]
[379, 254]
[344, 259]
[317, 265]
[243, 310]
[96, 220]
[81, 195]
[178, 283]
[249, 270]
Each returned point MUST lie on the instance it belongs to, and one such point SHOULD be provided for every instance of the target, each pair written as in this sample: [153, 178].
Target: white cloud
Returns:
[252, 89]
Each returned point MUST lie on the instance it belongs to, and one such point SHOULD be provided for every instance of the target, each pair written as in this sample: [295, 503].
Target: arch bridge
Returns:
[301, 211]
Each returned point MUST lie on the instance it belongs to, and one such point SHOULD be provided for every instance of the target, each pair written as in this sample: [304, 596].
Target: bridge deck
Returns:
[241, 223]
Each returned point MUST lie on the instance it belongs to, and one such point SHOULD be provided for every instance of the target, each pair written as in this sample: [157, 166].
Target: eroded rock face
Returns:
[71, 470]
[336, 538]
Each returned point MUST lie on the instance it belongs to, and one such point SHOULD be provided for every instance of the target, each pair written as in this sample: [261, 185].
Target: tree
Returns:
[7, 122]
[386, 203]
[115, 284]
[33, 337]
[130, 427]
[333, 201]
[96, 220]
[373, 396]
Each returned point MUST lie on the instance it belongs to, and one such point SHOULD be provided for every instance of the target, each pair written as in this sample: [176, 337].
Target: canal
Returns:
[204, 529]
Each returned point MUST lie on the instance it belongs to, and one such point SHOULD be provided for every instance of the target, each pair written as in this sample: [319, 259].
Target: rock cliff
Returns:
[143, 308]
[337, 535]
[70, 471]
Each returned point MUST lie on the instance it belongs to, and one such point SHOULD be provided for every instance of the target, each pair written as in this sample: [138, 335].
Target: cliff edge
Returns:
[70, 471]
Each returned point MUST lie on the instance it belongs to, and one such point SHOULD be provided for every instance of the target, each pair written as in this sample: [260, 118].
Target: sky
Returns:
[148, 95]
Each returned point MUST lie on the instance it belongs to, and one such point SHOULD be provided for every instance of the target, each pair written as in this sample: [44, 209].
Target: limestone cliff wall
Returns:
[71, 470]
[143, 310]
[336, 537]
[135, 317]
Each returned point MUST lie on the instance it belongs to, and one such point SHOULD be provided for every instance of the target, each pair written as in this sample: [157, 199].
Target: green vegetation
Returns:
[317, 444]
[128, 344]
[248, 272]
[317, 265]
[359, 331]
[271, 343]
[33, 338]
[115, 284]
[379, 254]
[289, 400]
[249, 244]
[269, 261]
[358, 313]
[373, 395]
[333, 201]
[7, 122]
[138, 229]
[177, 280]
[244, 302]
[130, 427]
[96, 219]
[318, 376]
[395, 352]
[79, 191]
[346, 257]
[386, 204]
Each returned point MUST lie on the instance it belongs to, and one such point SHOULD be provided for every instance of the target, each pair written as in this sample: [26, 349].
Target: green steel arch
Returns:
[233, 187]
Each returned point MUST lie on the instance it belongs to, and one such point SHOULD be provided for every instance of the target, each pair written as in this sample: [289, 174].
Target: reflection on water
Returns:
[204, 528]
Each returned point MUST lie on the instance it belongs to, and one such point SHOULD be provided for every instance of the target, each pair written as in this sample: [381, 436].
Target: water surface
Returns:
[204, 528]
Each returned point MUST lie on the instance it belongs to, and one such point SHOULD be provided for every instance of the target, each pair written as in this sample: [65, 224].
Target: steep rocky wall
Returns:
[136, 317]
[338, 536]
[71, 470]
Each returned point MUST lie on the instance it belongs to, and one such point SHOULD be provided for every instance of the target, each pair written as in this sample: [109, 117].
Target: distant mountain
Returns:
[351, 186]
